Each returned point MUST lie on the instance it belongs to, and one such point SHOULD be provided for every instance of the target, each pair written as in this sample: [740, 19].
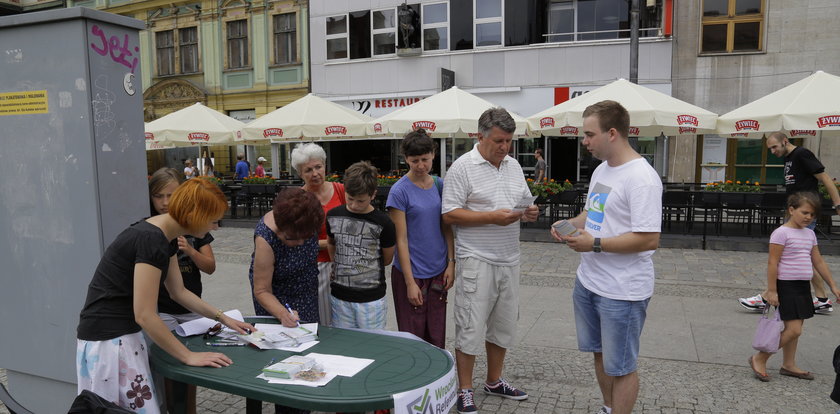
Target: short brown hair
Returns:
[417, 143]
[610, 115]
[297, 213]
[361, 178]
[779, 137]
[196, 203]
[160, 179]
[796, 200]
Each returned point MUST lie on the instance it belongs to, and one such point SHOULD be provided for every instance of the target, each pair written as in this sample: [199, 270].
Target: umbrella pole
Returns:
[443, 157]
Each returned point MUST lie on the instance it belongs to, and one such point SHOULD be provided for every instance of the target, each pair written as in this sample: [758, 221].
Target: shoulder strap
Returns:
[439, 185]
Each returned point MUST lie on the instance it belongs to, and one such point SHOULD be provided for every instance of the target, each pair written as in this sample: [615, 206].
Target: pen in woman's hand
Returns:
[289, 308]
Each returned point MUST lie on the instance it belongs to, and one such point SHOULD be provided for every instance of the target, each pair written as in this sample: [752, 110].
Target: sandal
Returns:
[801, 375]
[761, 376]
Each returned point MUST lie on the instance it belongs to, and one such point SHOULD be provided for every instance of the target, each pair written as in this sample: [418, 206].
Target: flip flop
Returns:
[761, 377]
[801, 375]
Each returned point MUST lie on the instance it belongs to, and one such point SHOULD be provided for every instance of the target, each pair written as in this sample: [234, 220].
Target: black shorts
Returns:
[795, 300]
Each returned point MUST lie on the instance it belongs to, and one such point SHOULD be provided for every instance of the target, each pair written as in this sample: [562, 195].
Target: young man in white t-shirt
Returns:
[618, 233]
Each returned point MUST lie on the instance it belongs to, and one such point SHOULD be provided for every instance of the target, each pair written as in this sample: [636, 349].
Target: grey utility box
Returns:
[72, 176]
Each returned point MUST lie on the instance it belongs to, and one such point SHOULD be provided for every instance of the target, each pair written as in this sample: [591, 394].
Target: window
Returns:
[435, 26]
[165, 52]
[188, 49]
[749, 159]
[732, 26]
[581, 20]
[337, 37]
[237, 42]
[384, 30]
[184, 57]
[285, 38]
[488, 22]
[561, 21]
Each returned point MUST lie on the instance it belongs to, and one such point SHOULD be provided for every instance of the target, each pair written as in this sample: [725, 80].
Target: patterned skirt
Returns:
[118, 371]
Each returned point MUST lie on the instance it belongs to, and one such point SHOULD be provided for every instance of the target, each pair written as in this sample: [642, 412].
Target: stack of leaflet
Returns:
[273, 336]
[289, 367]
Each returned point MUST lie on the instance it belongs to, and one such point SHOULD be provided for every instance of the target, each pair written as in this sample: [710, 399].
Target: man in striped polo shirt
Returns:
[482, 187]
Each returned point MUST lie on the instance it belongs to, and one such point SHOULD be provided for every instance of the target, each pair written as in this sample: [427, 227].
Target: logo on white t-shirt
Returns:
[598, 202]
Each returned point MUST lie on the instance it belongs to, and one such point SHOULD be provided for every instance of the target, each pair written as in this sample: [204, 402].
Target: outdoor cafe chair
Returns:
[771, 212]
[707, 204]
[564, 204]
[677, 204]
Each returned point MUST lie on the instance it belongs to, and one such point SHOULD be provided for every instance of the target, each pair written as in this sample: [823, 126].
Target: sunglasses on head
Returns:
[213, 331]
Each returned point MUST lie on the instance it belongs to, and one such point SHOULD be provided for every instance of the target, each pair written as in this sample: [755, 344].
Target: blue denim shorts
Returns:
[611, 327]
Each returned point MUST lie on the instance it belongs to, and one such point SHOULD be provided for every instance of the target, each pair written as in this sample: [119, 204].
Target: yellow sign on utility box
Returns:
[24, 103]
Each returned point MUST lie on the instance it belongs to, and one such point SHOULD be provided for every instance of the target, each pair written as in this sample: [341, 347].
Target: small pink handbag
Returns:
[768, 332]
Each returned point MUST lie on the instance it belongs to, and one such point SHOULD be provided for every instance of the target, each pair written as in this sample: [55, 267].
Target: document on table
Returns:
[201, 325]
[296, 339]
[524, 203]
[334, 365]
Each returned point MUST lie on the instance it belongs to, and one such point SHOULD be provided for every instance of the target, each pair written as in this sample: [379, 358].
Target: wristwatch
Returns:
[836, 206]
[596, 245]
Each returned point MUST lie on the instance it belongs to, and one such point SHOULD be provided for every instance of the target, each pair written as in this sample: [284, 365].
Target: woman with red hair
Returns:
[111, 352]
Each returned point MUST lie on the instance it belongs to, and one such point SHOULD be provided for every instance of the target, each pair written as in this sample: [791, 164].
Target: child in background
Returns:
[361, 242]
[793, 252]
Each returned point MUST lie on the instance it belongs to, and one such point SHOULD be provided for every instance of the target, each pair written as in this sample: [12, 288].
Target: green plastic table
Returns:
[400, 365]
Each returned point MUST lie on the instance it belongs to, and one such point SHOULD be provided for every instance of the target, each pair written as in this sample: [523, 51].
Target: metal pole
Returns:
[634, 41]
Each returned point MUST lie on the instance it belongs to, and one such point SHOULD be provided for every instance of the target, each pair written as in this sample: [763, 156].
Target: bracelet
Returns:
[218, 315]
[451, 260]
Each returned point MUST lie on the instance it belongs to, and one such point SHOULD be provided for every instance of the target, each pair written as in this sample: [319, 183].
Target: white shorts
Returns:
[486, 305]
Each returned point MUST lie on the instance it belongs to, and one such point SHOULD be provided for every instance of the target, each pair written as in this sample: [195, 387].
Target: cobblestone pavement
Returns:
[559, 379]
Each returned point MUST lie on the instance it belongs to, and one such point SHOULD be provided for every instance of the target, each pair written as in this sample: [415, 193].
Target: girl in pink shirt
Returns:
[793, 253]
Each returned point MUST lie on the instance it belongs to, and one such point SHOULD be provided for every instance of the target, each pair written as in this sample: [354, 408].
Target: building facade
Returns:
[728, 53]
[526, 55]
[8, 7]
[242, 58]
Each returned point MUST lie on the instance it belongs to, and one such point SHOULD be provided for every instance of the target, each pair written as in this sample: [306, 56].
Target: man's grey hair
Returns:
[305, 153]
[495, 117]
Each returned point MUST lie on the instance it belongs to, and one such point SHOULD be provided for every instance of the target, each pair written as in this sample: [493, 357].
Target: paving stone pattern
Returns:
[561, 380]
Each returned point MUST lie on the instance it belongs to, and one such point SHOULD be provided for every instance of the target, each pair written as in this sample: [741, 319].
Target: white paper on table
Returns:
[277, 328]
[272, 328]
[340, 365]
[201, 325]
[268, 345]
[320, 383]
[524, 203]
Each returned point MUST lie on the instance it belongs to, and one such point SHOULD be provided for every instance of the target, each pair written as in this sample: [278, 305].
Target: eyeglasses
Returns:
[213, 331]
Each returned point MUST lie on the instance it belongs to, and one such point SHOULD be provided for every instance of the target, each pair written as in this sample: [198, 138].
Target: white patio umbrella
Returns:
[309, 118]
[651, 112]
[451, 113]
[152, 144]
[805, 108]
[194, 125]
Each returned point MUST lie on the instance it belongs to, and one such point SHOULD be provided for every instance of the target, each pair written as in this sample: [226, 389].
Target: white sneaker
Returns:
[823, 307]
[755, 303]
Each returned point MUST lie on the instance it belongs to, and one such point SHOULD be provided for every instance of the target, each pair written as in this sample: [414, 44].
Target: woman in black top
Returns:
[112, 358]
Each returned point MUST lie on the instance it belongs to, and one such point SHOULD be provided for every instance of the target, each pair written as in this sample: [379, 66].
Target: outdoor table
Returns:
[400, 365]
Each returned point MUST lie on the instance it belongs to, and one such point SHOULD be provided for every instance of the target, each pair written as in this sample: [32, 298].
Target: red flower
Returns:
[139, 393]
